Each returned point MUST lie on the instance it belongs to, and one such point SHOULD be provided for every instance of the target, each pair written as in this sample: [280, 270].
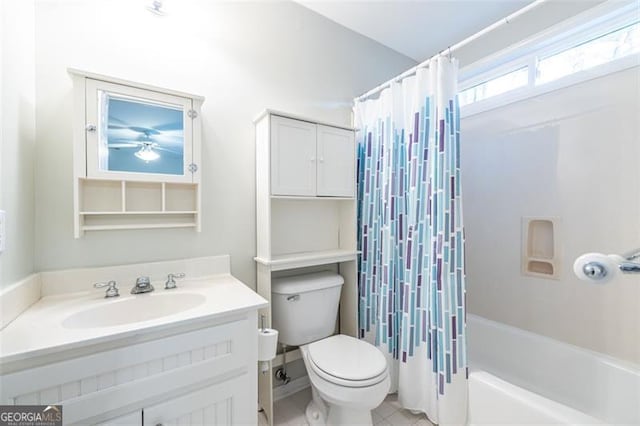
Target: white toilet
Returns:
[349, 377]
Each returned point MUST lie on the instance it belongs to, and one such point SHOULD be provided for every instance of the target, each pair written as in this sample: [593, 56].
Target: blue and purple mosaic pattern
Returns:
[411, 271]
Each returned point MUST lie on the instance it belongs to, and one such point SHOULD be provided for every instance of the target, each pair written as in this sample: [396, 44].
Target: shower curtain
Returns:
[411, 238]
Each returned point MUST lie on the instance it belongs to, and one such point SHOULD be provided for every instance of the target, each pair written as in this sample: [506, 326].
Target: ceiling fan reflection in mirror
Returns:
[147, 147]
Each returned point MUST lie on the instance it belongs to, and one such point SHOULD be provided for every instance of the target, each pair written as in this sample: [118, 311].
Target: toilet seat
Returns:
[346, 361]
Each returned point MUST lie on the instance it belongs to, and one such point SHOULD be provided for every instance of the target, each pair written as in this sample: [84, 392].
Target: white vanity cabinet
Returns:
[205, 376]
[311, 159]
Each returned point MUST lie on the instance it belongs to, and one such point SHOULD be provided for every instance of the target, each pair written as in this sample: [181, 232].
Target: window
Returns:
[602, 40]
[495, 86]
[601, 50]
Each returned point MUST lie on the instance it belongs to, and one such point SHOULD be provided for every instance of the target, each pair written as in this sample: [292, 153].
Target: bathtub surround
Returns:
[573, 154]
[411, 271]
[242, 56]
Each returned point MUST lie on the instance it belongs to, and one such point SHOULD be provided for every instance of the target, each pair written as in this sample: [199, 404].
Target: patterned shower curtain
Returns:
[411, 270]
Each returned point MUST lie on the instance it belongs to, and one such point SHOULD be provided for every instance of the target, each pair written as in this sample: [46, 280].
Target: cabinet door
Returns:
[293, 157]
[137, 134]
[220, 404]
[131, 419]
[336, 162]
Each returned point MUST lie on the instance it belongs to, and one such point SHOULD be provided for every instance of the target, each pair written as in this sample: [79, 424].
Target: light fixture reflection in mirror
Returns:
[156, 7]
[147, 153]
[135, 129]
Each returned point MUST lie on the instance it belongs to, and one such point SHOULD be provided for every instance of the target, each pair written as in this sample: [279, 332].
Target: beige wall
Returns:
[17, 139]
[242, 56]
[573, 154]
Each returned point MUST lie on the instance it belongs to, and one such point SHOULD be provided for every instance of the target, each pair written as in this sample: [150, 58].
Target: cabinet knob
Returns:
[322, 159]
[312, 159]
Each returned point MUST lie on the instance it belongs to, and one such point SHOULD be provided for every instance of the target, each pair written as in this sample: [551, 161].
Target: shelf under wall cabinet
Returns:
[138, 213]
[303, 198]
[141, 226]
[120, 204]
[301, 260]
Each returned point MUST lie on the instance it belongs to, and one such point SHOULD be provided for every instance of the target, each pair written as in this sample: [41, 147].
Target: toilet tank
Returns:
[304, 308]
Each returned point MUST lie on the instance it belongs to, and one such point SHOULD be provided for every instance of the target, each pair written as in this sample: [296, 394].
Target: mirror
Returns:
[139, 135]
[134, 133]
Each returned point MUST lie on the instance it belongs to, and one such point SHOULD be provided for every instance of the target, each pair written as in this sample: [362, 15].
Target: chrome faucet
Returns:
[171, 282]
[112, 289]
[143, 285]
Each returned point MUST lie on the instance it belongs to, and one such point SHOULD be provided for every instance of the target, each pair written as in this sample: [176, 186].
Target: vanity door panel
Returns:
[219, 404]
[131, 419]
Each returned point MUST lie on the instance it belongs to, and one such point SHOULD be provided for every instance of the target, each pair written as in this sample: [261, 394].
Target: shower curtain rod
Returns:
[450, 49]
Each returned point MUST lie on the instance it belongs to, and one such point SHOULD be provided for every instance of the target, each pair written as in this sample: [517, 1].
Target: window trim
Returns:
[496, 73]
[587, 26]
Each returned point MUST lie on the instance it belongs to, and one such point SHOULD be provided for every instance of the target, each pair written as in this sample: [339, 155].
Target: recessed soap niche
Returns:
[540, 254]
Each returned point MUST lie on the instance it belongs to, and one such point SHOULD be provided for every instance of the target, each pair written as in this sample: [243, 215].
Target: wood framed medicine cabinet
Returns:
[136, 155]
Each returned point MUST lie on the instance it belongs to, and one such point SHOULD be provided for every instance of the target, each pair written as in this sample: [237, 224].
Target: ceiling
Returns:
[417, 29]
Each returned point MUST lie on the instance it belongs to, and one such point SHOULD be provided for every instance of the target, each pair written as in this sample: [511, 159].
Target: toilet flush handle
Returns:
[293, 298]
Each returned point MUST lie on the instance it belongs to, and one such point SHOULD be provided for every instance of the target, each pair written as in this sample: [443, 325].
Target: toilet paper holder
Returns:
[627, 264]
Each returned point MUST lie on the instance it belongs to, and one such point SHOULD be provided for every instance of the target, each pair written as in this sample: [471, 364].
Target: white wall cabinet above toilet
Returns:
[305, 214]
[311, 159]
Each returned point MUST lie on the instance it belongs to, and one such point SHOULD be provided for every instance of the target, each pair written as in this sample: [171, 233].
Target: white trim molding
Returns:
[587, 26]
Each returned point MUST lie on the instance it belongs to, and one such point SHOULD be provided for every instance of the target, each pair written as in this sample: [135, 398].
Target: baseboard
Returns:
[296, 385]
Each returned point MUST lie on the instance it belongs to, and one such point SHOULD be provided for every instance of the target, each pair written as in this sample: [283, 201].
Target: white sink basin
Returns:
[135, 309]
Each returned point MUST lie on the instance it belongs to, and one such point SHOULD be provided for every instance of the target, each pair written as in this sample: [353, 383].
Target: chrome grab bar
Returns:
[628, 263]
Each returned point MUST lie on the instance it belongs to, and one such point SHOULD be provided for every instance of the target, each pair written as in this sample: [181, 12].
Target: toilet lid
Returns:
[347, 358]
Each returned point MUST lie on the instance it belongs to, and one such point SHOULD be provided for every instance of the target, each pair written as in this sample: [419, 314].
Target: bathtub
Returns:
[493, 401]
[518, 377]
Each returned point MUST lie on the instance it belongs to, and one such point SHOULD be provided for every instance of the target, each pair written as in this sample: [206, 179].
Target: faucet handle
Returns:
[112, 289]
[171, 282]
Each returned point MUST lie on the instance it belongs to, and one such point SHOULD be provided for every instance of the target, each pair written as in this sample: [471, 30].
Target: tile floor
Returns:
[290, 412]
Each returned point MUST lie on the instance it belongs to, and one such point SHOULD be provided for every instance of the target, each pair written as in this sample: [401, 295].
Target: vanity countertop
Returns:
[45, 330]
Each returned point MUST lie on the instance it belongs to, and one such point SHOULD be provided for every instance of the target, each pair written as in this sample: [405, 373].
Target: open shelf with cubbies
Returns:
[124, 204]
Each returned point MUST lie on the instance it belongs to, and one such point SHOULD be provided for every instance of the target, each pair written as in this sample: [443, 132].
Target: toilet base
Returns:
[314, 415]
[338, 416]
